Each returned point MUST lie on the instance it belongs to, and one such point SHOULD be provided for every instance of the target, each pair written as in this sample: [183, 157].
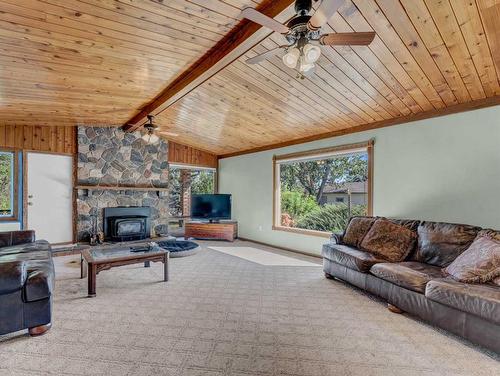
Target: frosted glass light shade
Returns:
[311, 53]
[291, 58]
[306, 67]
[150, 138]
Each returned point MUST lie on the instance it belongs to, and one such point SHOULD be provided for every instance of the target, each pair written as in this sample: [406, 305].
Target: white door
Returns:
[50, 200]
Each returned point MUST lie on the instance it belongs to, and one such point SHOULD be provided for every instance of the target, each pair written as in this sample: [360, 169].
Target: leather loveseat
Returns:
[26, 283]
[418, 284]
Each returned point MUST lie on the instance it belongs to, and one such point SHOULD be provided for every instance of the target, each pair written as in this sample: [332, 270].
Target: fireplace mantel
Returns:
[120, 188]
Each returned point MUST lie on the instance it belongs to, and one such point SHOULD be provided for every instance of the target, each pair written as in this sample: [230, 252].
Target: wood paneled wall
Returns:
[62, 140]
[186, 155]
[54, 139]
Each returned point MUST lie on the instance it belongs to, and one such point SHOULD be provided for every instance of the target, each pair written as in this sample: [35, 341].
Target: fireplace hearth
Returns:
[127, 223]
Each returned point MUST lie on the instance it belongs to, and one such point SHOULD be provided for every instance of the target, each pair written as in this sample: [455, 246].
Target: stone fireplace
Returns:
[118, 169]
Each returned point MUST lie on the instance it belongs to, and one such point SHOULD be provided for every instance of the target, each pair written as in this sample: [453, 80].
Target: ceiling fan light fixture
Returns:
[150, 138]
[305, 67]
[311, 53]
[291, 58]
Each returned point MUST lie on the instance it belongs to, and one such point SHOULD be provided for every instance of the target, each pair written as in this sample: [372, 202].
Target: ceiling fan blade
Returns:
[266, 55]
[324, 13]
[347, 39]
[167, 133]
[260, 18]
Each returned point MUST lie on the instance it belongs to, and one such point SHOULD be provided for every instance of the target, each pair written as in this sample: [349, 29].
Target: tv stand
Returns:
[223, 230]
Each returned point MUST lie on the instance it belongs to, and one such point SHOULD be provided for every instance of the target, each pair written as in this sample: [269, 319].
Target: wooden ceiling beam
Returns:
[244, 36]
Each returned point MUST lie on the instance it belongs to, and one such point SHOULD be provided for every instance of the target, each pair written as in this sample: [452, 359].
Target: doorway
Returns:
[49, 188]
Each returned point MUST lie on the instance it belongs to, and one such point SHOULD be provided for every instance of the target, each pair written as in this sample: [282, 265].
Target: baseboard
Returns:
[279, 247]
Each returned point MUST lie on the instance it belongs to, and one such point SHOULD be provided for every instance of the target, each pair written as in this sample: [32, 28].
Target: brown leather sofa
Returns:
[26, 283]
[418, 286]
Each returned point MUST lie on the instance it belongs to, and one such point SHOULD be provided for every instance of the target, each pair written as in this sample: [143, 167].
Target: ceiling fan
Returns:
[303, 34]
[150, 135]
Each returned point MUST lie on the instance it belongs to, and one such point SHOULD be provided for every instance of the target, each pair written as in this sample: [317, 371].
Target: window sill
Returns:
[302, 231]
[9, 220]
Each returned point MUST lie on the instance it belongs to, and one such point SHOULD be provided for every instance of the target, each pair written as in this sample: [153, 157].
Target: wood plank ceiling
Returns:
[100, 61]
[64, 62]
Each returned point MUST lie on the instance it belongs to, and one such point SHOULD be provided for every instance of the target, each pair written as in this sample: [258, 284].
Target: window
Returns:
[183, 183]
[8, 186]
[316, 192]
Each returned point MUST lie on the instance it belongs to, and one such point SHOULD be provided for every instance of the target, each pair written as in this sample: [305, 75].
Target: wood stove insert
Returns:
[127, 223]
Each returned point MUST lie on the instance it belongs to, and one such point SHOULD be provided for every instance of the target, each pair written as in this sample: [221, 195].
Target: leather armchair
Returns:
[26, 283]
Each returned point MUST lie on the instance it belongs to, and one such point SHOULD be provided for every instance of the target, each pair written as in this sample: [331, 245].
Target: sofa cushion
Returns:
[349, 257]
[356, 230]
[40, 280]
[411, 275]
[482, 300]
[479, 263]
[12, 276]
[9, 238]
[440, 243]
[411, 224]
[39, 245]
[389, 240]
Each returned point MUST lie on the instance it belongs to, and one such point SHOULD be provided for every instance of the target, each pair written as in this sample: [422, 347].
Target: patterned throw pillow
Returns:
[480, 263]
[496, 281]
[356, 230]
[389, 240]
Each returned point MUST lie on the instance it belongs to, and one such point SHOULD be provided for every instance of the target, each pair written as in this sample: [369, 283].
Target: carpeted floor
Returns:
[224, 315]
[263, 257]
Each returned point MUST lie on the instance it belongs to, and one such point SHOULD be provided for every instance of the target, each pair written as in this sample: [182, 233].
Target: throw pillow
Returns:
[496, 281]
[440, 243]
[480, 263]
[389, 240]
[356, 230]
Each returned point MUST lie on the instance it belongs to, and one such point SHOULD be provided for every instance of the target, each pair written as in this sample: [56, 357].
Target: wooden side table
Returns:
[224, 230]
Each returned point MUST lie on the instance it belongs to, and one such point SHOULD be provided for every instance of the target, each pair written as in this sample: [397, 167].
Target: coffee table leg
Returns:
[83, 267]
[165, 266]
[91, 280]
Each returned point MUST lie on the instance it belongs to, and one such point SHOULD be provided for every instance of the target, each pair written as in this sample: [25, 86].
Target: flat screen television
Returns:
[211, 207]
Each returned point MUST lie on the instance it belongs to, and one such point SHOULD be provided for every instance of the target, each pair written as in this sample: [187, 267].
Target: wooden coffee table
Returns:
[103, 258]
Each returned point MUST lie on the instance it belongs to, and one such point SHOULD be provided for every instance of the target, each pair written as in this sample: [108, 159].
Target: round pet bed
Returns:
[179, 248]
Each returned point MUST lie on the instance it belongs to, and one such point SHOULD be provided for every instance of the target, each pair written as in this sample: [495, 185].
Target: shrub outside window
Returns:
[8, 186]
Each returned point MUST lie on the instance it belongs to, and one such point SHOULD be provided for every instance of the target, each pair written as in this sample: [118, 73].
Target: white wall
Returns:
[441, 169]
[10, 226]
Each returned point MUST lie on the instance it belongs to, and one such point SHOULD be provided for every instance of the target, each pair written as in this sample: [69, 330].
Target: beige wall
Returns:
[441, 169]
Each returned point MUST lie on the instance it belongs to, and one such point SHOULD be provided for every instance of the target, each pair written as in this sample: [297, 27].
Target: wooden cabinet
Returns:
[217, 230]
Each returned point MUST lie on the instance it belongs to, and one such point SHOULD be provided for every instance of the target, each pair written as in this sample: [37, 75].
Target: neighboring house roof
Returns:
[355, 187]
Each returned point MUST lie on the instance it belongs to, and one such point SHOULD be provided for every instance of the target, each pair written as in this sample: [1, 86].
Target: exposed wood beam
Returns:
[244, 36]
[474, 105]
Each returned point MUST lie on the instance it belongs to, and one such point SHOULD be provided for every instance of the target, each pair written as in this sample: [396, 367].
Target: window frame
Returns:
[183, 166]
[367, 146]
[15, 189]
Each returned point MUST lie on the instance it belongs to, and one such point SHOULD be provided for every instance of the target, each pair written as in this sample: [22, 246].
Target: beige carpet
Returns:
[223, 315]
[262, 257]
